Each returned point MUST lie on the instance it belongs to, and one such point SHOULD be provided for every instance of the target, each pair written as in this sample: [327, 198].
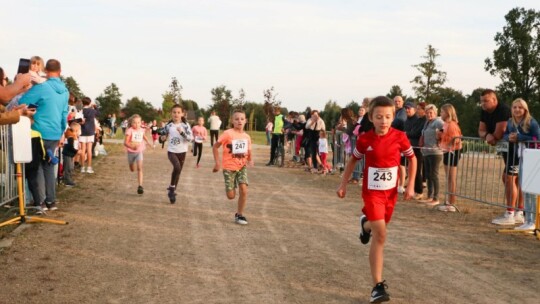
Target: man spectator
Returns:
[493, 119]
[215, 123]
[51, 100]
[277, 134]
[413, 129]
[399, 123]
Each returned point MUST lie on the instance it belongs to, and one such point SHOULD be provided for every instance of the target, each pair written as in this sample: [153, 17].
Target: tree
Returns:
[354, 106]
[73, 87]
[516, 60]
[395, 90]
[141, 107]
[331, 113]
[431, 79]
[270, 102]
[171, 97]
[109, 101]
[222, 98]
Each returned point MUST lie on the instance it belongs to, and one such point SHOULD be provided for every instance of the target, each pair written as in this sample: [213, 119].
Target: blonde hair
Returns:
[526, 121]
[431, 107]
[39, 61]
[132, 118]
[451, 111]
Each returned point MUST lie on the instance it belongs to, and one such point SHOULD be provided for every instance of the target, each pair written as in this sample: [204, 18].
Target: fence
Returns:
[8, 180]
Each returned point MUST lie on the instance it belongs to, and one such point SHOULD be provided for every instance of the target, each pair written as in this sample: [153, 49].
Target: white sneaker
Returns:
[447, 208]
[506, 219]
[525, 227]
[400, 190]
[83, 170]
[519, 218]
[89, 170]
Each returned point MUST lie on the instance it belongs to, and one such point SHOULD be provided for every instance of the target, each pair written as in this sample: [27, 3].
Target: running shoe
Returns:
[140, 190]
[171, 194]
[379, 294]
[240, 219]
[364, 235]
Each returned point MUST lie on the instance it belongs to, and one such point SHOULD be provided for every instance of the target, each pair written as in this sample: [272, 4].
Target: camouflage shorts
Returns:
[233, 178]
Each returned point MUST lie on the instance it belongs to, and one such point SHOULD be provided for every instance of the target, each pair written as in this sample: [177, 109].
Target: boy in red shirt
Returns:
[236, 155]
[381, 148]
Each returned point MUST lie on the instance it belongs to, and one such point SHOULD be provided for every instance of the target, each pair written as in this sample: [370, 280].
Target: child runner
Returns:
[236, 154]
[381, 147]
[180, 135]
[155, 133]
[199, 134]
[135, 146]
[323, 152]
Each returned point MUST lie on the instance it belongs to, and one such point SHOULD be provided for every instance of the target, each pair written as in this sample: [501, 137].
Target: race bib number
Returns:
[239, 146]
[198, 139]
[137, 137]
[382, 178]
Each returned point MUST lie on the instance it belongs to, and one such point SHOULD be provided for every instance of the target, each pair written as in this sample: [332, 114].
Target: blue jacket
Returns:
[51, 99]
[533, 134]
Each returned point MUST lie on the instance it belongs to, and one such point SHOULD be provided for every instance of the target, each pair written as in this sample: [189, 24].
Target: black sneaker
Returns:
[379, 294]
[51, 206]
[140, 190]
[364, 235]
[172, 195]
[240, 219]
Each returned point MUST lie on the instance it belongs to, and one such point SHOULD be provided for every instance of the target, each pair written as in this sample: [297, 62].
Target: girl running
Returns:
[199, 135]
[180, 135]
[135, 146]
[155, 133]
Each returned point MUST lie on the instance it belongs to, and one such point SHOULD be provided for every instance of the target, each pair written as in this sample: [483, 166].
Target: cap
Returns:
[409, 104]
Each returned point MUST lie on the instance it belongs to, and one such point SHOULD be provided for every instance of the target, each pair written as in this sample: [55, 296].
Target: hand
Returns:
[250, 163]
[409, 193]
[490, 139]
[134, 145]
[180, 129]
[216, 168]
[512, 137]
[24, 81]
[341, 191]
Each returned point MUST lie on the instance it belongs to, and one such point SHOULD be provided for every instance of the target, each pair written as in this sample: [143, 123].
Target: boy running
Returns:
[381, 148]
[236, 155]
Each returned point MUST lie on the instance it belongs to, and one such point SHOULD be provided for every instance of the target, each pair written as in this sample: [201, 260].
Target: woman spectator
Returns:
[450, 137]
[269, 127]
[298, 126]
[345, 126]
[313, 125]
[432, 153]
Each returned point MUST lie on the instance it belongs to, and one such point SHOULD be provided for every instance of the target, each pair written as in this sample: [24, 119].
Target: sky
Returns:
[310, 51]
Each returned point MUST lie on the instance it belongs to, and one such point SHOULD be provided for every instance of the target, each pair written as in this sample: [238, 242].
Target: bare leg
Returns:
[140, 172]
[242, 198]
[376, 251]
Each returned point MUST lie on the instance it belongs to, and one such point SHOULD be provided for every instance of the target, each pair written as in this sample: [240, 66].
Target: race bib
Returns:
[239, 146]
[137, 137]
[198, 139]
[382, 178]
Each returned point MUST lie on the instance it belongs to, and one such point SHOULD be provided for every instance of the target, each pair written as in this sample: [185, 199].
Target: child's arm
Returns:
[146, 139]
[342, 189]
[127, 142]
[409, 192]
[215, 151]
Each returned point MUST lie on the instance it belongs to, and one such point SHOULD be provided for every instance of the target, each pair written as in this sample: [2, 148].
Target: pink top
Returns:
[199, 133]
[135, 136]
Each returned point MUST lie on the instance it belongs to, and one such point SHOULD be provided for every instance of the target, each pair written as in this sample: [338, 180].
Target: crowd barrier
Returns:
[8, 178]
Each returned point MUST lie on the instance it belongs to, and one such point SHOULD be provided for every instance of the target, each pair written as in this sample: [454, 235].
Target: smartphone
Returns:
[32, 106]
[24, 66]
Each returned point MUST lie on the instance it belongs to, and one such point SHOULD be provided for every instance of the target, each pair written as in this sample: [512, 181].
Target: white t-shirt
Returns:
[177, 142]
[215, 122]
[323, 145]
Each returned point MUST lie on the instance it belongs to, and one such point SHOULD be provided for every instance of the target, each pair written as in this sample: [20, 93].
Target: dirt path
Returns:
[300, 245]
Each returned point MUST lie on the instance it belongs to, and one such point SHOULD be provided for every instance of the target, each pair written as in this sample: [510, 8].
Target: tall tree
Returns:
[270, 101]
[171, 97]
[516, 60]
[73, 87]
[222, 98]
[145, 109]
[331, 113]
[109, 101]
[431, 79]
[354, 106]
[395, 90]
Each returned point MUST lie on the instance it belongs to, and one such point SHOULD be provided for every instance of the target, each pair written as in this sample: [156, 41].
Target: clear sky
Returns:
[310, 51]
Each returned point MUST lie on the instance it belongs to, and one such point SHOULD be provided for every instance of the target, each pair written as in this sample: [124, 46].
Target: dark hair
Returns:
[177, 106]
[53, 65]
[86, 101]
[2, 76]
[488, 91]
[347, 114]
[422, 105]
[381, 101]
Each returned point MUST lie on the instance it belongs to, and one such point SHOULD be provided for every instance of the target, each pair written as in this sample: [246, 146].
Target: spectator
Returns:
[268, 128]
[345, 125]
[88, 134]
[520, 127]
[493, 120]
[124, 125]
[215, 123]
[277, 135]
[71, 148]
[450, 137]
[432, 153]
[399, 123]
[298, 129]
[413, 129]
[51, 99]
[421, 113]
[313, 125]
[112, 122]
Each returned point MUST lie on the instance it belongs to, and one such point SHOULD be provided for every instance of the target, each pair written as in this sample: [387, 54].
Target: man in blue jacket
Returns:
[51, 101]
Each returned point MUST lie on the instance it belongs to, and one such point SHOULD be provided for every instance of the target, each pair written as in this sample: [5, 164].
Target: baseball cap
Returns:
[409, 104]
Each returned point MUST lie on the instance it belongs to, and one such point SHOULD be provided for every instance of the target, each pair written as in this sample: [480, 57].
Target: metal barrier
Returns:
[8, 179]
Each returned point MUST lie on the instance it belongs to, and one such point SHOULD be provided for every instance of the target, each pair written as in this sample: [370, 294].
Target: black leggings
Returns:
[213, 134]
[197, 147]
[177, 160]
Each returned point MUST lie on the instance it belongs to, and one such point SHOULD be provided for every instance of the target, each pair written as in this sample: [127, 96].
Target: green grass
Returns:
[258, 137]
